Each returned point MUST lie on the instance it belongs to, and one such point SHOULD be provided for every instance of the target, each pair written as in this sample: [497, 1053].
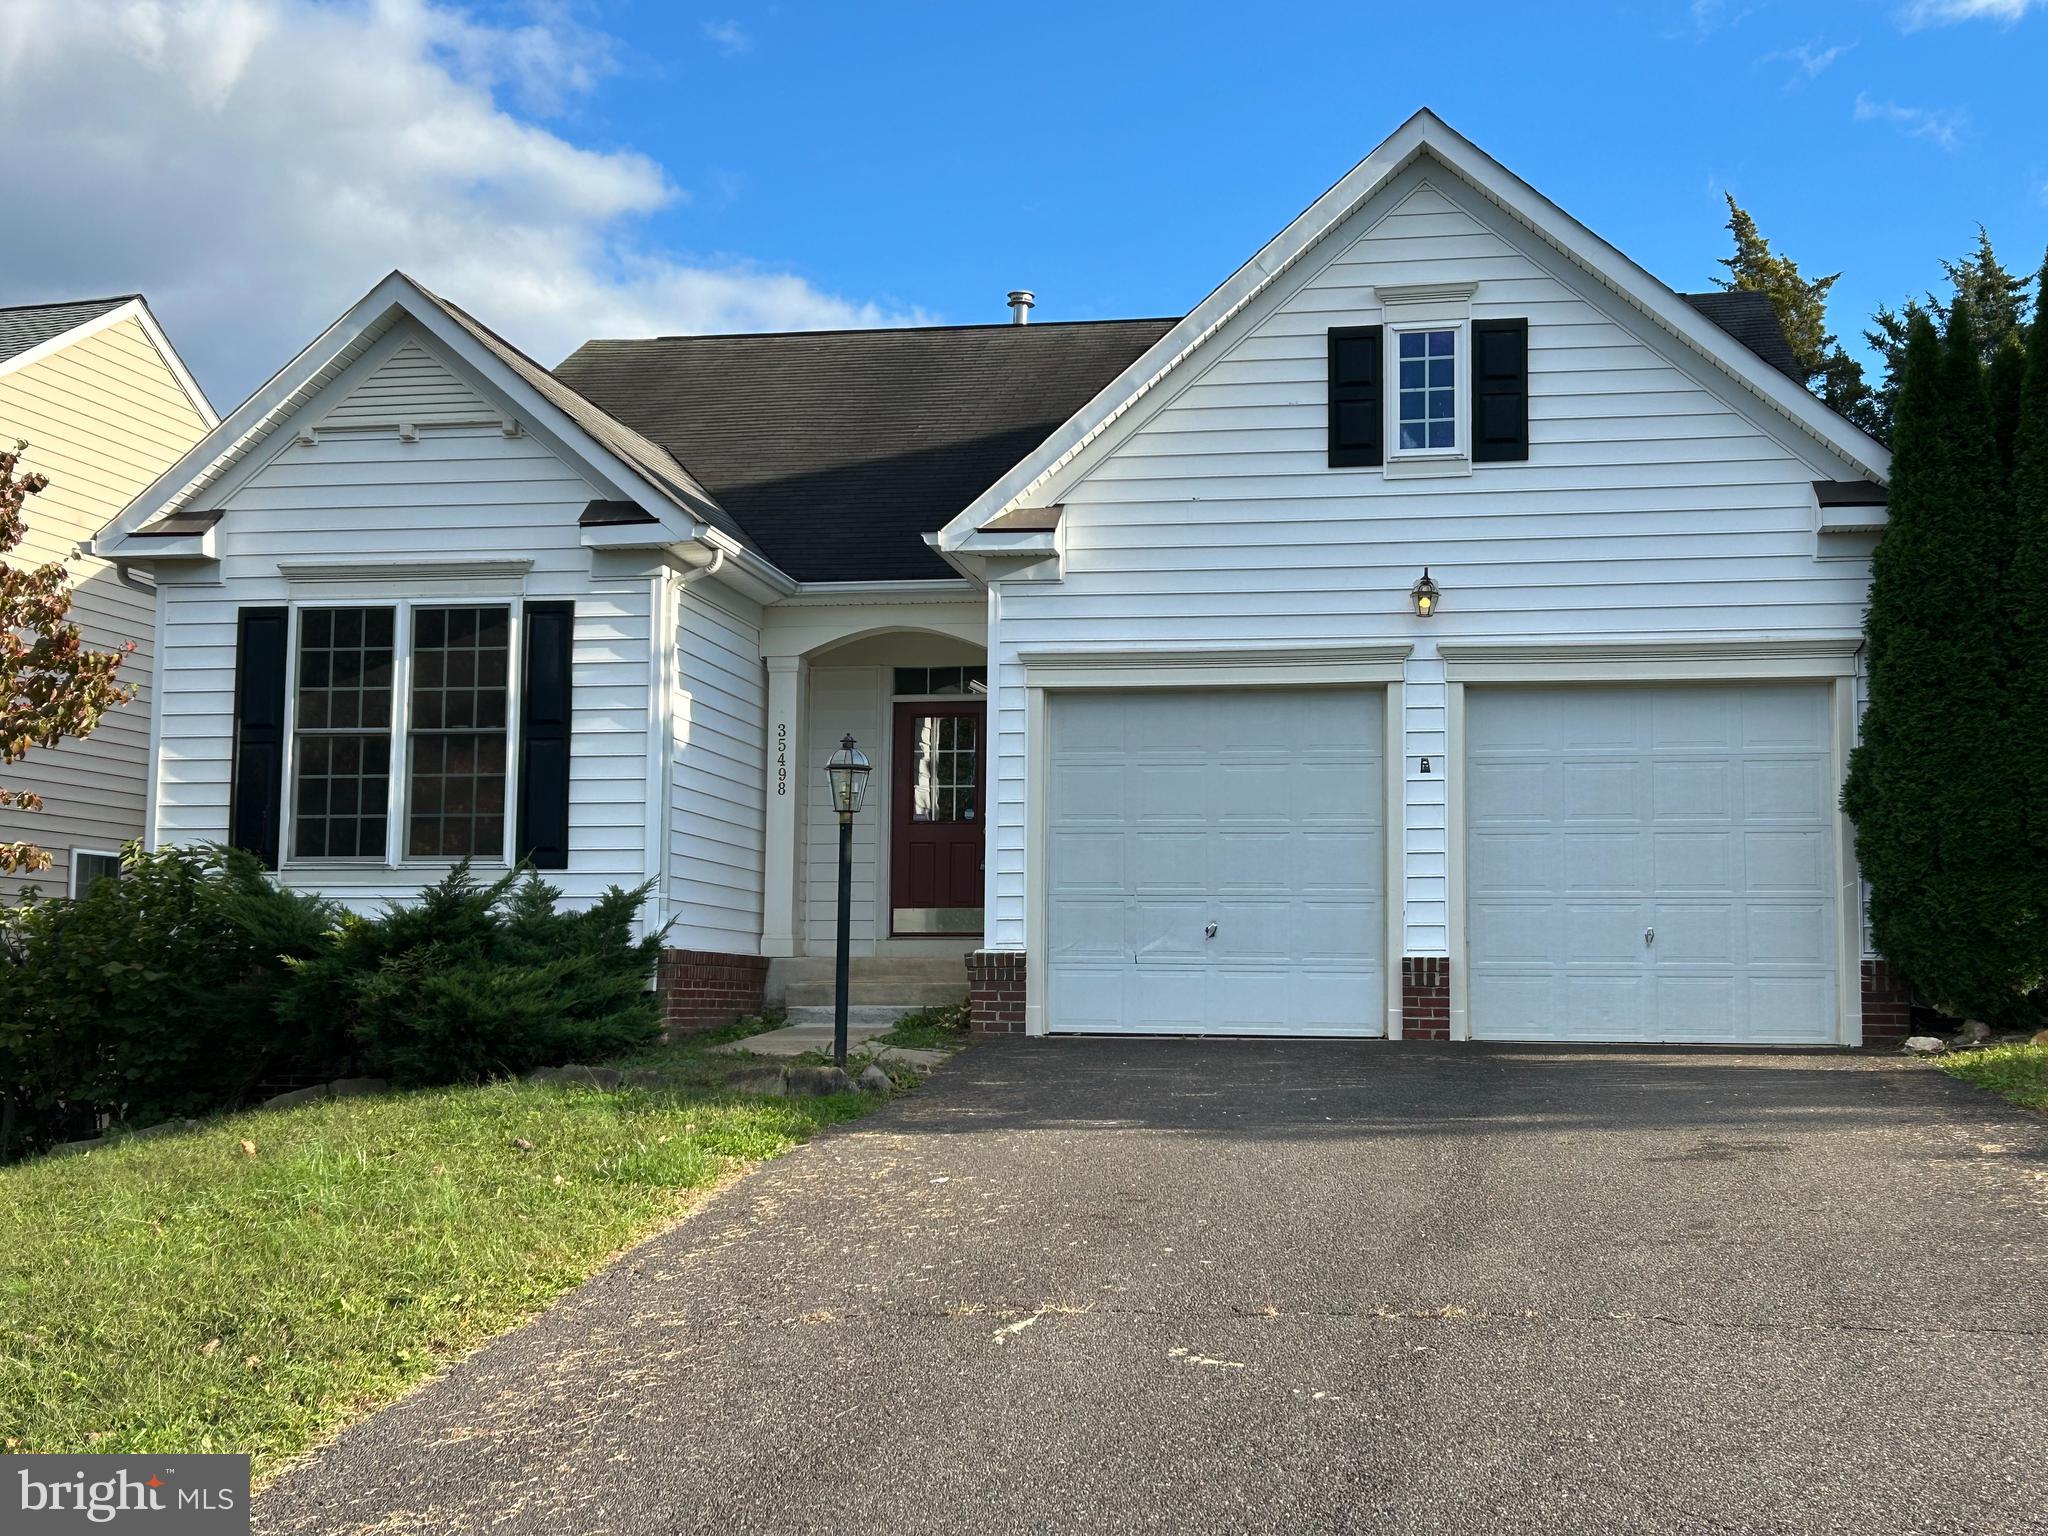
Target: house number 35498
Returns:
[782, 758]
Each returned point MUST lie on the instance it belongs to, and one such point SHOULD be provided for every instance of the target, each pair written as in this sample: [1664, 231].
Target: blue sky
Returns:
[1123, 159]
[568, 168]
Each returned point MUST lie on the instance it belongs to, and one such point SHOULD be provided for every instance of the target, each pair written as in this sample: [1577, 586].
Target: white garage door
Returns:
[1651, 863]
[1216, 862]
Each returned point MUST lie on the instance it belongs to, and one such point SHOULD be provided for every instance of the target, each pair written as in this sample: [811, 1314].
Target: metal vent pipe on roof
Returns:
[1021, 302]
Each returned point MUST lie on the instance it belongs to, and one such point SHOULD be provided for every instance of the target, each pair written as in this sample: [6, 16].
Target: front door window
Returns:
[942, 770]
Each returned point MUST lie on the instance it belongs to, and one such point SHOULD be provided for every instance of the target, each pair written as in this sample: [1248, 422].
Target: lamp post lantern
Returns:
[847, 773]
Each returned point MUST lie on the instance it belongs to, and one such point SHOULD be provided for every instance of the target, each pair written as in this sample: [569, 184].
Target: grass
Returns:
[928, 1029]
[2015, 1072]
[253, 1284]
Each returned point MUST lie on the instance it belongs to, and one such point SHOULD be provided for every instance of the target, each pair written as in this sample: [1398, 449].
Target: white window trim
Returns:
[398, 801]
[1458, 457]
[71, 877]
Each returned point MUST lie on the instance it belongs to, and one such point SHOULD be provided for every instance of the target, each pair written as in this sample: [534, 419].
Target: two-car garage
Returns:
[1630, 861]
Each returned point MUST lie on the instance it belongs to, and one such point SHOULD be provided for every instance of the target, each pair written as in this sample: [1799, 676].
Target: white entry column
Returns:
[784, 789]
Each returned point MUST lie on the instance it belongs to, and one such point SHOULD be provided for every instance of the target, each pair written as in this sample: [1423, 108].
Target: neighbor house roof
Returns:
[24, 327]
[838, 451]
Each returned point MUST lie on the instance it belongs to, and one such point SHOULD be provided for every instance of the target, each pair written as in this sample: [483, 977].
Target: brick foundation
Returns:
[702, 989]
[995, 992]
[1425, 997]
[1887, 1005]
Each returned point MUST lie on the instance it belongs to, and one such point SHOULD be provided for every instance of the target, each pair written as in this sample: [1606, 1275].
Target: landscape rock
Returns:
[312, 1095]
[588, 1077]
[874, 1080]
[356, 1087]
[762, 1080]
[814, 1082]
[2041, 1037]
[1923, 1045]
[73, 1148]
[1973, 1032]
[648, 1077]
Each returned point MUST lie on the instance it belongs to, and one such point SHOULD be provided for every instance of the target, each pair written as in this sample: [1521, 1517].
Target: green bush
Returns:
[475, 981]
[195, 980]
[153, 995]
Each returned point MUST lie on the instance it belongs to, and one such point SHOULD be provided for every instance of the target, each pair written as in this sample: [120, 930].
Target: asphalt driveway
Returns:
[1178, 1286]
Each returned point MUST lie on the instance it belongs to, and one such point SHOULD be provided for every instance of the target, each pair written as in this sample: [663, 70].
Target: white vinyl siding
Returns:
[103, 417]
[411, 385]
[458, 493]
[1659, 501]
[719, 705]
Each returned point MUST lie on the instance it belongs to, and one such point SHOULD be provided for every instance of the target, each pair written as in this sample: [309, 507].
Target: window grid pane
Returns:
[456, 740]
[1428, 389]
[942, 770]
[342, 741]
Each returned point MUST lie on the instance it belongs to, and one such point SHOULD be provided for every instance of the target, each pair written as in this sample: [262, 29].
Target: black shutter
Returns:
[544, 736]
[1357, 416]
[1500, 391]
[256, 789]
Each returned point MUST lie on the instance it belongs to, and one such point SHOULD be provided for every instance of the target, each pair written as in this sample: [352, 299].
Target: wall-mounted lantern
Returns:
[1425, 595]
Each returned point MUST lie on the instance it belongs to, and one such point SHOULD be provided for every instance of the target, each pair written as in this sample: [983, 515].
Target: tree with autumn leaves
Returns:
[51, 685]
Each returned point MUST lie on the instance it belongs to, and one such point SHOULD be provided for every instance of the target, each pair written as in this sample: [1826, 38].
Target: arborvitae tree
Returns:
[1802, 306]
[1939, 820]
[2003, 382]
[1998, 306]
[2028, 606]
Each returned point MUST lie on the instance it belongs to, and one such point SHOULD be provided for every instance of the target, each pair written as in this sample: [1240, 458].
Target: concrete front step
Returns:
[858, 1017]
[867, 991]
[948, 968]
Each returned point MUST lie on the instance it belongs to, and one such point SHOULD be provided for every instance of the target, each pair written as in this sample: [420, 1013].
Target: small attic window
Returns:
[1428, 417]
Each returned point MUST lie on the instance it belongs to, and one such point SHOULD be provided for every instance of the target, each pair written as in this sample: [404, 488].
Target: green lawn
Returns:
[253, 1284]
[2016, 1072]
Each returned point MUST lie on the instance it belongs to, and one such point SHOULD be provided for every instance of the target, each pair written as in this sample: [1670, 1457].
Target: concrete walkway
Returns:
[1175, 1286]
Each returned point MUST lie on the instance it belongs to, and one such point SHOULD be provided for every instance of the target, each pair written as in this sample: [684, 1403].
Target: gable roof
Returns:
[1423, 134]
[30, 332]
[839, 451]
[24, 327]
[1752, 319]
[613, 453]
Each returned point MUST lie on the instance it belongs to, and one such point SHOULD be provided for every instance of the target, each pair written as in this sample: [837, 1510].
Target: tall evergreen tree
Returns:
[2029, 609]
[1802, 306]
[1997, 301]
[1938, 817]
[2004, 382]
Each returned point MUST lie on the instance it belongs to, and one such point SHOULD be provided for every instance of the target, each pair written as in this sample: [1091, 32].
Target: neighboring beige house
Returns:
[106, 407]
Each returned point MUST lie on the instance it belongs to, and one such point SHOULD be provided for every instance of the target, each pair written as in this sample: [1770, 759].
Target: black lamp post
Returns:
[848, 775]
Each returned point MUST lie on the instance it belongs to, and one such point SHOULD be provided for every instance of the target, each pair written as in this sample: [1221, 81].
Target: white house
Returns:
[1126, 614]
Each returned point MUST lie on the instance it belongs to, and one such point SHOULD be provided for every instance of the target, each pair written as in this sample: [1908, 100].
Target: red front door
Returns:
[935, 842]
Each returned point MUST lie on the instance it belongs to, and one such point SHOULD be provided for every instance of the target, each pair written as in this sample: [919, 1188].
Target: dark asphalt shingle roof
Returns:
[24, 326]
[1750, 318]
[838, 451]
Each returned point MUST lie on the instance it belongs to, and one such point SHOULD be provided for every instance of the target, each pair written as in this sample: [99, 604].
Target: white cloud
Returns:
[1808, 60]
[1943, 13]
[1939, 125]
[255, 165]
[730, 36]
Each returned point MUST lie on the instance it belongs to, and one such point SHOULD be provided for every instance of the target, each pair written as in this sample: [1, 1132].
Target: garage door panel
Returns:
[1695, 863]
[1606, 863]
[1693, 791]
[1785, 863]
[1596, 791]
[1798, 934]
[1694, 933]
[1793, 789]
[1258, 811]
[1160, 863]
[1506, 932]
[1703, 813]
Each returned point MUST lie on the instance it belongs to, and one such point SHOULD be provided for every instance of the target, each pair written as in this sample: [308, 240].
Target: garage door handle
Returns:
[1649, 935]
[1210, 931]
